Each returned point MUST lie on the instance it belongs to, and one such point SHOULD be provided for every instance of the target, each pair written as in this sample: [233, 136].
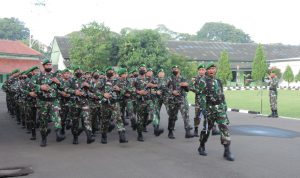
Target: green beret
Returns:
[209, 65]
[201, 66]
[76, 68]
[15, 71]
[149, 69]
[175, 66]
[101, 73]
[23, 72]
[133, 70]
[122, 71]
[109, 68]
[32, 68]
[47, 61]
[65, 70]
[160, 70]
[142, 65]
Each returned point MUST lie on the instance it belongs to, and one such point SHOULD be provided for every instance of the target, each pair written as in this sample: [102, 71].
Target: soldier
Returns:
[111, 107]
[47, 94]
[162, 86]
[216, 112]
[273, 83]
[178, 87]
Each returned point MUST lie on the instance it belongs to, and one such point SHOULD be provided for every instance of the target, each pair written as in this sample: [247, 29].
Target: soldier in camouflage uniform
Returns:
[111, 107]
[46, 88]
[273, 93]
[80, 94]
[177, 88]
[216, 112]
[163, 98]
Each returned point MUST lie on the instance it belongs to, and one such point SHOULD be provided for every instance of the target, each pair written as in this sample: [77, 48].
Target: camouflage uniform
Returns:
[273, 96]
[95, 105]
[163, 98]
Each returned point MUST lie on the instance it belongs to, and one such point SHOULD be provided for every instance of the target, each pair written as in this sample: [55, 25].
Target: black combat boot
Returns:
[133, 124]
[188, 133]
[44, 140]
[215, 131]
[227, 154]
[157, 130]
[68, 124]
[33, 134]
[104, 138]
[90, 139]
[272, 114]
[275, 113]
[111, 127]
[201, 149]
[125, 122]
[59, 137]
[196, 132]
[171, 135]
[75, 139]
[122, 137]
[140, 137]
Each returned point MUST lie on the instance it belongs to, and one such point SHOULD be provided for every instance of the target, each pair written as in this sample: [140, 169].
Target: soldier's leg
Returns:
[75, 124]
[87, 124]
[208, 123]
[273, 103]
[172, 112]
[94, 118]
[184, 110]
[18, 113]
[123, 112]
[197, 119]
[105, 122]
[131, 115]
[32, 122]
[154, 114]
[116, 115]
[43, 120]
[55, 118]
[141, 119]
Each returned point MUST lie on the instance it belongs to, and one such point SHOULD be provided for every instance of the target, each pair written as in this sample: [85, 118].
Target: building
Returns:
[15, 54]
[60, 52]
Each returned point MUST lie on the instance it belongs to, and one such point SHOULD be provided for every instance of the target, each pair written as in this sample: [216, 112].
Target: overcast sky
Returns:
[265, 21]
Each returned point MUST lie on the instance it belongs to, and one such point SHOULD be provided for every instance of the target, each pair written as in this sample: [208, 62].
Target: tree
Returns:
[297, 78]
[167, 34]
[93, 47]
[218, 31]
[276, 71]
[142, 46]
[13, 29]
[259, 65]
[288, 75]
[224, 72]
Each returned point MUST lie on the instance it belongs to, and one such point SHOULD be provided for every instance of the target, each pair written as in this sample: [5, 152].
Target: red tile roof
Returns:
[16, 47]
[8, 65]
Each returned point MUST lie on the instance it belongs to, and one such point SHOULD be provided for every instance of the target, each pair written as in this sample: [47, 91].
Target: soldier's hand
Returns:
[158, 92]
[45, 87]
[107, 95]
[78, 93]
[127, 94]
[64, 94]
[184, 84]
[55, 80]
[33, 94]
[116, 88]
[176, 93]
[149, 85]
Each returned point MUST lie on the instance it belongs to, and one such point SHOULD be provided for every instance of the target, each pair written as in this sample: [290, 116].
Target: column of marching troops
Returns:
[96, 101]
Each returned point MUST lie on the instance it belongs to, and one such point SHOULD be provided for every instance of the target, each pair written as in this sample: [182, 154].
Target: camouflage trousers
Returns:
[81, 119]
[146, 113]
[64, 114]
[173, 110]
[126, 107]
[49, 111]
[31, 116]
[216, 113]
[96, 117]
[199, 114]
[273, 99]
[111, 113]
[159, 102]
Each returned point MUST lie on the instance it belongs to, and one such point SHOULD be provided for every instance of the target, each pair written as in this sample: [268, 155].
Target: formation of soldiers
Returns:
[96, 101]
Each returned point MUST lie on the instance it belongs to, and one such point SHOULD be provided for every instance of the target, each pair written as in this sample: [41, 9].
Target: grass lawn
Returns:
[288, 101]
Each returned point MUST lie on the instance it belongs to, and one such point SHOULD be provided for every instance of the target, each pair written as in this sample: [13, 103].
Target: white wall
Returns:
[60, 64]
[295, 65]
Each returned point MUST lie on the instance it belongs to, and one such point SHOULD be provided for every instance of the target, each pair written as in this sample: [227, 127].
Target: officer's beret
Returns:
[175, 66]
[160, 70]
[75, 67]
[65, 70]
[142, 65]
[15, 71]
[201, 66]
[122, 71]
[133, 70]
[209, 65]
[32, 68]
[101, 73]
[149, 69]
[47, 61]
[109, 68]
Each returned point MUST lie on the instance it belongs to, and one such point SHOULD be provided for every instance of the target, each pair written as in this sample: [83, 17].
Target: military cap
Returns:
[32, 68]
[65, 70]
[47, 61]
[149, 69]
[201, 66]
[209, 65]
[122, 71]
[175, 66]
[101, 73]
[76, 67]
[160, 70]
[133, 70]
[109, 68]
[15, 71]
[142, 65]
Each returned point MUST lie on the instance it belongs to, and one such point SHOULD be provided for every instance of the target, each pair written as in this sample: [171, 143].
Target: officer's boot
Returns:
[188, 133]
[275, 113]
[157, 130]
[272, 114]
[33, 134]
[122, 137]
[196, 132]
[215, 131]
[59, 137]
[203, 139]
[104, 138]
[171, 134]
[227, 153]
[44, 140]
[75, 139]
[90, 139]
[140, 137]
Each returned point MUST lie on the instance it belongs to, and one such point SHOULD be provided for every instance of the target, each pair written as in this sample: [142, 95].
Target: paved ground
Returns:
[256, 156]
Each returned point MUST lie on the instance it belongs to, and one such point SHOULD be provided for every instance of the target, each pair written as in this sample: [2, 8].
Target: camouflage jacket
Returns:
[214, 91]
[273, 84]
[162, 86]
[140, 83]
[199, 88]
[46, 78]
[173, 83]
[107, 87]
[126, 87]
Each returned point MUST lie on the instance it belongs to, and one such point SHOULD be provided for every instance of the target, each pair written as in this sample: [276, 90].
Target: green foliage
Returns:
[224, 72]
[142, 46]
[218, 31]
[259, 65]
[13, 29]
[93, 47]
[167, 34]
[297, 77]
[288, 75]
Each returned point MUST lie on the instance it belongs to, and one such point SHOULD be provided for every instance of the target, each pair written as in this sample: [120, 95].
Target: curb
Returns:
[258, 88]
[236, 110]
